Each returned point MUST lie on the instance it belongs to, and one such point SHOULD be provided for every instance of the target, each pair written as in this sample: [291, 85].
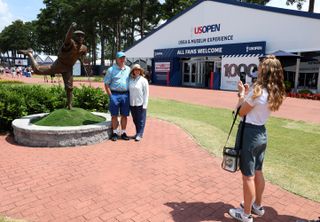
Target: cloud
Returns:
[5, 15]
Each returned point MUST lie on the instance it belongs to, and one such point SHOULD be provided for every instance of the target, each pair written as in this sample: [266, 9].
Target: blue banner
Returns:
[249, 48]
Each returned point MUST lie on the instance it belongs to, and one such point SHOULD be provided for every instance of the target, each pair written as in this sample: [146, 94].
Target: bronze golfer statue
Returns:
[71, 50]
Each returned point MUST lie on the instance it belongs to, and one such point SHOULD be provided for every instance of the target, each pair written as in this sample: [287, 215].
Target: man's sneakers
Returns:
[124, 136]
[238, 214]
[257, 210]
[114, 137]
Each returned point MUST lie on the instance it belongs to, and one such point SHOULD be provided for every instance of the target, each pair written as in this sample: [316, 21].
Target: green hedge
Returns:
[20, 100]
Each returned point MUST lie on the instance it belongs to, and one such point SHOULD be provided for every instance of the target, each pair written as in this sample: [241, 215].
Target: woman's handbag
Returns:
[231, 155]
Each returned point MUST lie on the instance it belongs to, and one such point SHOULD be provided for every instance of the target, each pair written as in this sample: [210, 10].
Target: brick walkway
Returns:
[165, 177]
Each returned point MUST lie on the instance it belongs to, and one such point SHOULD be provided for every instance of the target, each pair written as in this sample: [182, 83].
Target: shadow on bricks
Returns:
[200, 211]
[10, 139]
[272, 215]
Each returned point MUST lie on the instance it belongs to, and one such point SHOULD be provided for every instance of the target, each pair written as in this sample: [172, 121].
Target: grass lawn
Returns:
[293, 153]
[75, 78]
[4, 81]
[7, 219]
[65, 117]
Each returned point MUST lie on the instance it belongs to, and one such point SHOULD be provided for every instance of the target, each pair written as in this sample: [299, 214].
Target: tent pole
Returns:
[296, 78]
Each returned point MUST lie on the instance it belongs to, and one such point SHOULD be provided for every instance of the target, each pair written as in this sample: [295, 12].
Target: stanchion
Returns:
[211, 80]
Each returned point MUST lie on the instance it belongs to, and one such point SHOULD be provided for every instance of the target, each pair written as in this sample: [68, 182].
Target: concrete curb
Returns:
[28, 134]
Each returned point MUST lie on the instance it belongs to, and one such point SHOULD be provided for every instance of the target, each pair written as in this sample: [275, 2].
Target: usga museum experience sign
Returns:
[250, 48]
[200, 30]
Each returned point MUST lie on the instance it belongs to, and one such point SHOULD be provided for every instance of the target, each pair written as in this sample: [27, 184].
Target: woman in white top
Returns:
[266, 95]
[139, 94]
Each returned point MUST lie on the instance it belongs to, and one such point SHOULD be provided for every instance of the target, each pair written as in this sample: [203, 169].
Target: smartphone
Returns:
[243, 77]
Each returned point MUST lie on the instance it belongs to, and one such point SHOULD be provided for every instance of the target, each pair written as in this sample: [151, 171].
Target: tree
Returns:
[300, 3]
[53, 23]
[116, 24]
[172, 7]
[16, 36]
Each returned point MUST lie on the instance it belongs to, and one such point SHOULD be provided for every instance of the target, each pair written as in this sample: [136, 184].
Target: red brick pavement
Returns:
[165, 177]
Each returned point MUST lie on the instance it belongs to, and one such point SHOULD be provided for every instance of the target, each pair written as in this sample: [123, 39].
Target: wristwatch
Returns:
[240, 95]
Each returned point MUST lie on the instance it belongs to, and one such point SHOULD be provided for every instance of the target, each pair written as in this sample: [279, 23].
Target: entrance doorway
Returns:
[197, 73]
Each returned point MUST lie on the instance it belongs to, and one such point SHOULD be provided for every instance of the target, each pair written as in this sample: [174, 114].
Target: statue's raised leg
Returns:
[44, 70]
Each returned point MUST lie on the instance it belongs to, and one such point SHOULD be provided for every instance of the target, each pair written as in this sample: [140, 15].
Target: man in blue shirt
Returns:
[116, 82]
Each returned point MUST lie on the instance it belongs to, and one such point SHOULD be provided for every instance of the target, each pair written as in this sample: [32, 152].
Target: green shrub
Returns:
[19, 100]
[98, 79]
[305, 91]
[89, 98]
[288, 85]
[58, 97]
[12, 105]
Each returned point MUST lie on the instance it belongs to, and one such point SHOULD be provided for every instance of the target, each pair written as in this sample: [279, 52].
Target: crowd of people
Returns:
[16, 71]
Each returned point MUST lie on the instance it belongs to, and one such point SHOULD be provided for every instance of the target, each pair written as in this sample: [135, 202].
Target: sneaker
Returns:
[138, 138]
[257, 210]
[114, 137]
[238, 214]
[124, 136]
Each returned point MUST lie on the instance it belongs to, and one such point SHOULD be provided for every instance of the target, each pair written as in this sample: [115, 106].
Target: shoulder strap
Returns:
[234, 120]
[242, 130]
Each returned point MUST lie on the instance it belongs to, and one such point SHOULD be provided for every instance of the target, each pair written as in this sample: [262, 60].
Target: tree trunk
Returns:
[103, 40]
[91, 56]
[132, 31]
[94, 52]
[113, 51]
[311, 6]
[141, 18]
[118, 40]
[8, 60]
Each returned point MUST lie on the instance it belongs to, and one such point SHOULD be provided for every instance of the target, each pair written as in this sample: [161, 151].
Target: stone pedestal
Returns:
[28, 134]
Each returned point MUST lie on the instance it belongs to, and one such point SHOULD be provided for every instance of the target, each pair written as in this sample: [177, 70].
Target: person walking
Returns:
[266, 95]
[116, 82]
[139, 95]
[71, 50]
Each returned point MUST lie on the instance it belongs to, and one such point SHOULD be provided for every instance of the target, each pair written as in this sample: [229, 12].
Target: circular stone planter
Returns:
[28, 134]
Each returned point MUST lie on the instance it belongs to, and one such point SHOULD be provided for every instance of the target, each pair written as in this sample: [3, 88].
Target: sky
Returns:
[11, 10]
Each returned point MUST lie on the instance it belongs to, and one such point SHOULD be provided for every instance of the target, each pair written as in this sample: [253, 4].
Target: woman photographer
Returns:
[266, 95]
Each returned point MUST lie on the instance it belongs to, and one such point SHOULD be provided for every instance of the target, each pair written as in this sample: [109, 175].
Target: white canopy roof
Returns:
[282, 29]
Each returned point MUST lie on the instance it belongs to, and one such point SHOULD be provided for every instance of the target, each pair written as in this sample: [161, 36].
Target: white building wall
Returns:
[280, 31]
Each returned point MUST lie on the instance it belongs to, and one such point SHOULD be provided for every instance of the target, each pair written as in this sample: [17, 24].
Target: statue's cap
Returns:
[78, 32]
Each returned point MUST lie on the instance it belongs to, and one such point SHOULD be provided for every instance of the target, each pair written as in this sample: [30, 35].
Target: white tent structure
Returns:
[40, 58]
[49, 59]
[221, 33]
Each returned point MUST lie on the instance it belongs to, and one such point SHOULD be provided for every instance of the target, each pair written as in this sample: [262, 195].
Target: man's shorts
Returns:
[119, 101]
[254, 144]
